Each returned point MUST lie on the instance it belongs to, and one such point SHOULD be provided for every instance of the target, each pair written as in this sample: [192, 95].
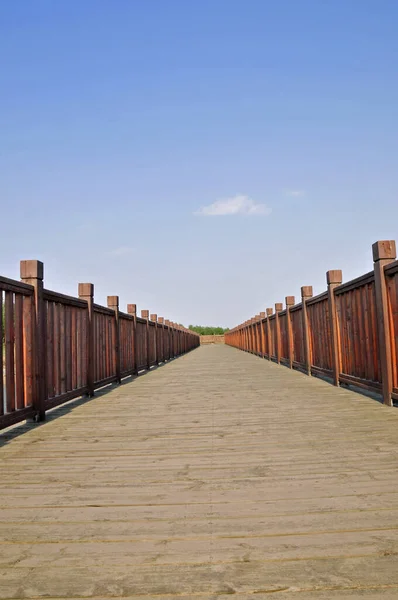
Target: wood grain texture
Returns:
[219, 473]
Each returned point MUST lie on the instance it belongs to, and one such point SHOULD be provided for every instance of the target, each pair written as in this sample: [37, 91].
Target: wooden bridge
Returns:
[216, 472]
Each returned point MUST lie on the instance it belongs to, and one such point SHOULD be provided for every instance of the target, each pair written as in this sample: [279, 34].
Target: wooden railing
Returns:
[348, 333]
[56, 347]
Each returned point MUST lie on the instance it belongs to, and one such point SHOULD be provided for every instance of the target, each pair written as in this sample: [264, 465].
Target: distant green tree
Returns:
[208, 330]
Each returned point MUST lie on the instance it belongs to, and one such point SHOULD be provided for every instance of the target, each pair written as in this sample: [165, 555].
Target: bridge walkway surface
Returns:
[220, 473]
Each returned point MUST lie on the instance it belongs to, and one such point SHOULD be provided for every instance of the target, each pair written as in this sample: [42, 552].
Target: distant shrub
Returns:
[207, 330]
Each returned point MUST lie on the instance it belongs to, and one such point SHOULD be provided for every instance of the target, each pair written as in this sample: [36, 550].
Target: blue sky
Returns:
[203, 159]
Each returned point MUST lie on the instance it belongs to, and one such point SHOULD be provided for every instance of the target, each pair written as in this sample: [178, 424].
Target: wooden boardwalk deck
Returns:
[217, 474]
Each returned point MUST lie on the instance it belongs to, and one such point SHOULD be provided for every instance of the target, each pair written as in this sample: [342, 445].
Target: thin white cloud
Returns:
[295, 193]
[236, 205]
[122, 251]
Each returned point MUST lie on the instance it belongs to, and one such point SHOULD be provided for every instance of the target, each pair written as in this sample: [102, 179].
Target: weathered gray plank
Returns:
[217, 474]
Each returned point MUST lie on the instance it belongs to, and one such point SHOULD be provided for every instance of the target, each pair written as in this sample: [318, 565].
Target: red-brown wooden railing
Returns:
[57, 347]
[348, 333]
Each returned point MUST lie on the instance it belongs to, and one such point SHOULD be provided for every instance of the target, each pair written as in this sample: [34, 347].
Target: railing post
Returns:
[113, 304]
[178, 335]
[384, 252]
[86, 292]
[154, 318]
[269, 312]
[278, 308]
[174, 334]
[161, 333]
[262, 334]
[257, 335]
[32, 272]
[334, 279]
[175, 339]
[167, 323]
[171, 339]
[145, 315]
[290, 301]
[132, 310]
[252, 330]
[306, 294]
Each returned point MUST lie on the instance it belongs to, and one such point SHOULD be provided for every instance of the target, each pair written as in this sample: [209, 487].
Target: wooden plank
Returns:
[50, 349]
[217, 475]
[16, 416]
[19, 354]
[66, 397]
[1, 355]
[16, 287]
[63, 347]
[367, 338]
[74, 348]
[68, 348]
[29, 348]
[57, 351]
[89, 366]
[9, 351]
[384, 253]
[57, 298]
[391, 268]
[290, 300]
[392, 283]
[355, 283]
[306, 293]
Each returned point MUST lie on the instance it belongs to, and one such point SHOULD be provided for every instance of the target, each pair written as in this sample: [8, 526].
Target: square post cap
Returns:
[145, 314]
[132, 309]
[278, 307]
[334, 277]
[86, 290]
[384, 249]
[113, 301]
[306, 291]
[154, 318]
[290, 300]
[31, 269]
[269, 311]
